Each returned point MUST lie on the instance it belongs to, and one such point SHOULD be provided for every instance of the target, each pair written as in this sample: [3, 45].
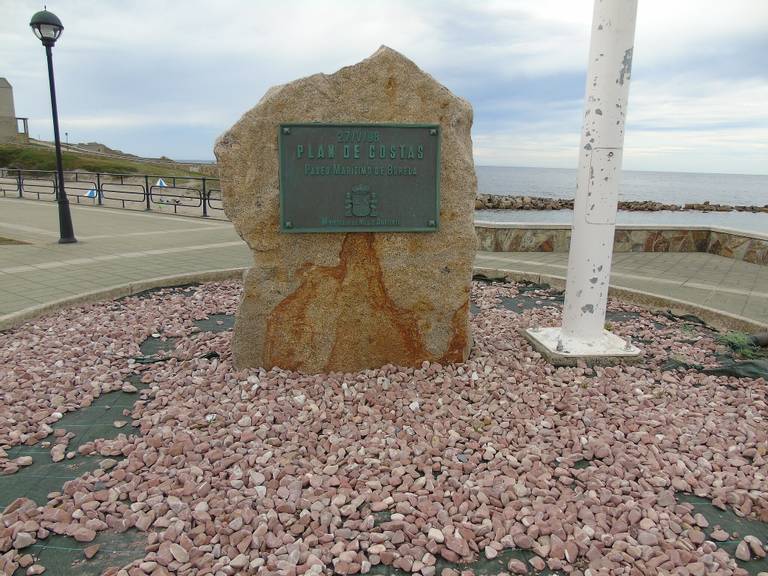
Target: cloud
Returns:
[693, 101]
[135, 121]
[527, 148]
[147, 76]
[738, 150]
[694, 125]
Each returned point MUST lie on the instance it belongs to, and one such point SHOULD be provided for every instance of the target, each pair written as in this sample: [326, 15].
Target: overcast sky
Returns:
[163, 77]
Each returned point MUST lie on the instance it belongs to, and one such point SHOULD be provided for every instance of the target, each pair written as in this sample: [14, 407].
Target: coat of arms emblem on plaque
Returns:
[361, 202]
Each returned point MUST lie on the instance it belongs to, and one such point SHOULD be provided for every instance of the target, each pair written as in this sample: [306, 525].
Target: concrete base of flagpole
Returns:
[606, 350]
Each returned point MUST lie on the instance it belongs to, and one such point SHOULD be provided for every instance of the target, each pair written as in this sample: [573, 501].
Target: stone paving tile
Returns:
[735, 302]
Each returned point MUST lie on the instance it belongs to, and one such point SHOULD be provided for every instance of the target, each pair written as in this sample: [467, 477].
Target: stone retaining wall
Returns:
[753, 248]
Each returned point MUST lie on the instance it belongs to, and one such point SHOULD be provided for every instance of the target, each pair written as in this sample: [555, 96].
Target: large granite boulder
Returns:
[341, 302]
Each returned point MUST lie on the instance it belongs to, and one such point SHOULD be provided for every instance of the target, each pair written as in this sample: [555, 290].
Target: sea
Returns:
[667, 187]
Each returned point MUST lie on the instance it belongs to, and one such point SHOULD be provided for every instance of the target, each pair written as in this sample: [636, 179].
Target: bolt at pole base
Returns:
[562, 350]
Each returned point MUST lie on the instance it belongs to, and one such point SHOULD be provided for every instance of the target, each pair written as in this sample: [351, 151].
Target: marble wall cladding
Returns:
[661, 240]
[753, 250]
[523, 240]
[748, 249]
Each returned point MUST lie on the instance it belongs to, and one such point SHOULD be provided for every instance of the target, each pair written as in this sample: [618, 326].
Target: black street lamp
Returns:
[47, 27]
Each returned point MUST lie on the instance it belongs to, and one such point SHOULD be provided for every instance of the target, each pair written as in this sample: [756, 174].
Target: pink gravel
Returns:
[276, 472]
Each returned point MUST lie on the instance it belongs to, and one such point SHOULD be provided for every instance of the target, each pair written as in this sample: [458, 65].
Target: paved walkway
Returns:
[114, 247]
[118, 247]
[731, 286]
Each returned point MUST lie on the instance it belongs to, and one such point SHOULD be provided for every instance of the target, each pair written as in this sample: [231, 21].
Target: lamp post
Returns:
[47, 27]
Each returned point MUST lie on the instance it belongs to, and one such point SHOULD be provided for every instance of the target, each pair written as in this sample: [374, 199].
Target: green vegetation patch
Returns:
[9, 241]
[741, 343]
[30, 157]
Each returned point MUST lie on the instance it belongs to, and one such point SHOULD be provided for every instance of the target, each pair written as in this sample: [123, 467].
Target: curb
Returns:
[717, 318]
[14, 319]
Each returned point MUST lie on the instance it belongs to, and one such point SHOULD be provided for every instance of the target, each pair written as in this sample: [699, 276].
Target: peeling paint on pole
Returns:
[594, 219]
[594, 216]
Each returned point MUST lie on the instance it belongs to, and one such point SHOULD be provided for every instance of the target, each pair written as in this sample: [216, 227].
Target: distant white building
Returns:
[9, 122]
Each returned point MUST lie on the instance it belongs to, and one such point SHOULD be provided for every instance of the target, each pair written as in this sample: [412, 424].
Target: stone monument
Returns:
[355, 192]
[8, 123]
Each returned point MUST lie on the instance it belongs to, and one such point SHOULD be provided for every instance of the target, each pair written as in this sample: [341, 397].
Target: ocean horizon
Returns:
[637, 185]
[654, 185]
[666, 187]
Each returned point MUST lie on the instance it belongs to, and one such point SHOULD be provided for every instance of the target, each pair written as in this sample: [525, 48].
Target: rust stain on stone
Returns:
[460, 342]
[345, 312]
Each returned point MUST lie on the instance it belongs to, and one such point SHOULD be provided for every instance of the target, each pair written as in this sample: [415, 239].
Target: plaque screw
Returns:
[560, 346]
[433, 131]
[431, 223]
[288, 224]
[286, 130]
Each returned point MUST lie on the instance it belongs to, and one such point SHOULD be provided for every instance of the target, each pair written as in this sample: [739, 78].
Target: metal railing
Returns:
[188, 195]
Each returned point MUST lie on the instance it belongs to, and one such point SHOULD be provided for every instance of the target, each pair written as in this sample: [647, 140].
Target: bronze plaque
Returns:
[359, 177]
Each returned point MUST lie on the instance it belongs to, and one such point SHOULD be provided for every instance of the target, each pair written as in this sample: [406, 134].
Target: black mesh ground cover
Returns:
[620, 316]
[733, 524]
[156, 349]
[63, 555]
[87, 424]
[740, 369]
[523, 302]
[216, 323]
[690, 318]
[531, 295]
[482, 567]
[60, 554]
[728, 364]
[182, 289]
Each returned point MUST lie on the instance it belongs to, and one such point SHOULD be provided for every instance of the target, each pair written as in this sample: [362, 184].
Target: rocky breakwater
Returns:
[497, 202]
[343, 301]
[494, 202]
[709, 207]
